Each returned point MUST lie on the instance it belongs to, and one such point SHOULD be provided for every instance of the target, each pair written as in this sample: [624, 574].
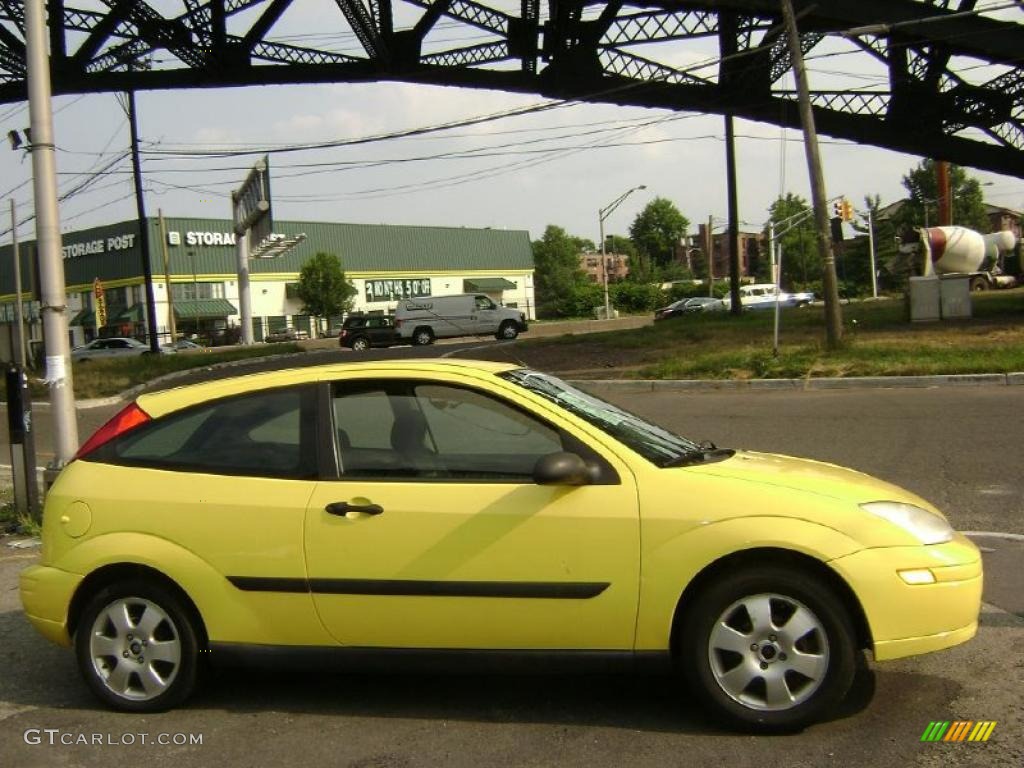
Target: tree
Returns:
[799, 241]
[922, 185]
[323, 289]
[657, 230]
[620, 244]
[557, 273]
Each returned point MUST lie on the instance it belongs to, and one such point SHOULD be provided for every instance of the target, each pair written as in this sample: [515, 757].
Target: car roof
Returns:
[168, 400]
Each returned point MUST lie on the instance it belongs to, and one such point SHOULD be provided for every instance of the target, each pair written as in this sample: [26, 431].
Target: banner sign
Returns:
[99, 303]
[392, 290]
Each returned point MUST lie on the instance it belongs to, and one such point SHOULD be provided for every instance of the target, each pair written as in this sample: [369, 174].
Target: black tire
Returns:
[360, 344]
[168, 682]
[507, 331]
[828, 652]
[979, 284]
[422, 337]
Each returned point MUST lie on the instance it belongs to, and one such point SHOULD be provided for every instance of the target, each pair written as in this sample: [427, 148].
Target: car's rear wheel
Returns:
[360, 344]
[421, 337]
[507, 330]
[137, 647]
[768, 649]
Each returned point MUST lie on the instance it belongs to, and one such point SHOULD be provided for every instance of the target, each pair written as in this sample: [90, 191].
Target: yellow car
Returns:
[454, 510]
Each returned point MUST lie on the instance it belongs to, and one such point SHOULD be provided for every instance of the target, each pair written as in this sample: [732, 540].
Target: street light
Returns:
[602, 214]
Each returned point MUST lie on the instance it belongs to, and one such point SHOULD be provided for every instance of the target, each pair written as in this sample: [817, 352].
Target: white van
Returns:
[468, 314]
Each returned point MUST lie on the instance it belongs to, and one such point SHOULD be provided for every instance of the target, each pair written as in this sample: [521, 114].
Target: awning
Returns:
[487, 284]
[84, 317]
[136, 313]
[196, 309]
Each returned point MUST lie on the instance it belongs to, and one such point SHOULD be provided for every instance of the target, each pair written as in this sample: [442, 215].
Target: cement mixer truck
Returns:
[962, 251]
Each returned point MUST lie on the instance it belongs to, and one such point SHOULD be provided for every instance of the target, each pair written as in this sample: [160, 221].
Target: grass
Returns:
[103, 378]
[878, 340]
[11, 521]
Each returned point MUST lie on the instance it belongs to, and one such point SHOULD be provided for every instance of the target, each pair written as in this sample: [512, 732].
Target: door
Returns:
[447, 541]
[486, 316]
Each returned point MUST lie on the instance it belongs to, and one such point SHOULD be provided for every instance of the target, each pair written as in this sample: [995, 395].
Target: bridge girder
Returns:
[609, 51]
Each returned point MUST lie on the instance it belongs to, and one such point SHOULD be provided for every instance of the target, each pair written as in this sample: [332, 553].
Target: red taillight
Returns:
[125, 421]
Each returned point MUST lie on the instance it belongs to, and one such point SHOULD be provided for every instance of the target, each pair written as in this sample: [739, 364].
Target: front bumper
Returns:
[908, 619]
[46, 595]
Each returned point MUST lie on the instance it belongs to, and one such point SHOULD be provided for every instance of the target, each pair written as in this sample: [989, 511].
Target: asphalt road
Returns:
[958, 447]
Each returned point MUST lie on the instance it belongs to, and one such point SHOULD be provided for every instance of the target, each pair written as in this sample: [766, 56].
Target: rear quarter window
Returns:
[264, 434]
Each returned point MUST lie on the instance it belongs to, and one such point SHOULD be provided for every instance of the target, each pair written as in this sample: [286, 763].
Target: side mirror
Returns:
[561, 468]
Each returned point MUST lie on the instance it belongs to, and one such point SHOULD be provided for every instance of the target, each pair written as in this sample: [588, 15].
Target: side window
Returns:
[482, 302]
[266, 434]
[434, 431]
[478, 436]
[364, 423]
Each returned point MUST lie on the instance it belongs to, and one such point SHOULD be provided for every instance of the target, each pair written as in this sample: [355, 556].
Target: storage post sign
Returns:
[99, 303]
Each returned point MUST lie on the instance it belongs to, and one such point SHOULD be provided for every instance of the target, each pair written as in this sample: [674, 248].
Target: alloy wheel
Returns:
[135, 648]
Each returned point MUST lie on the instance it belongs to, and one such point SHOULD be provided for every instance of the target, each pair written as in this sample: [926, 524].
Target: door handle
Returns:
[342, 508]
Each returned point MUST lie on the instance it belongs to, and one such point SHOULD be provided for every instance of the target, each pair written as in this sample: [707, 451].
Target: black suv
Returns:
[361, 332]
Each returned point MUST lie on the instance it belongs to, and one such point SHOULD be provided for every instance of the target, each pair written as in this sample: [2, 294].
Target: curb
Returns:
[637, 386]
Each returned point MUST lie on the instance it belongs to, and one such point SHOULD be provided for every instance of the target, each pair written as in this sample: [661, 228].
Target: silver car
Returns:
[102, 349]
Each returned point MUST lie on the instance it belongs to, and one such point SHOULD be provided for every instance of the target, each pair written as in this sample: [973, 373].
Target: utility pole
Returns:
[833, 312]
[140, 207]
[734, 218]
[19, 319]
[52, 289]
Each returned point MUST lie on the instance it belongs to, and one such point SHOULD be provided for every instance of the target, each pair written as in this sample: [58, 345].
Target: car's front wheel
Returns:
[360, 344]
[137, 647]
[768, 649]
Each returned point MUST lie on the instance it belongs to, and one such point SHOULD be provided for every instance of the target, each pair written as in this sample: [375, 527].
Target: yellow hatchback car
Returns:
[437, 510]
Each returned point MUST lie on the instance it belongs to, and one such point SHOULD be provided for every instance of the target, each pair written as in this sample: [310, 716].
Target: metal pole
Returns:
[604, 268]
[171, 324]
[833, 312]
[244, 296]
[871, 255]
[19, 319]
[771, 252]
[711, 258]
[734, 217]
[51, 266]
[775, 335]
[140, 206]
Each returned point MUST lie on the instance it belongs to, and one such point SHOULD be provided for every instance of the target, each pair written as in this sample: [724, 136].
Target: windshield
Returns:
[657, 445]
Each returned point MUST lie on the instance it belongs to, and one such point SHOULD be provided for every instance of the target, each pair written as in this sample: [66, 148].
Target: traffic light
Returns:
[847, 210]
[837, 209]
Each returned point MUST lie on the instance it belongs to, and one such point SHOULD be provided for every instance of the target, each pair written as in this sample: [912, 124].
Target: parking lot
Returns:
[957, 447]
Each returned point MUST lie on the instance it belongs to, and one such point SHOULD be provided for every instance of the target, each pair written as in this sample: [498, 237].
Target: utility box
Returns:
[925, 301]
[955, 293]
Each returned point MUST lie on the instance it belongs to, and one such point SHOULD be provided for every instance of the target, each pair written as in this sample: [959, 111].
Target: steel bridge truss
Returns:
[934, 79]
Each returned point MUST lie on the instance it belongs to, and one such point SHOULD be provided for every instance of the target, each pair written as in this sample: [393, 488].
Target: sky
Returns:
[558, 166]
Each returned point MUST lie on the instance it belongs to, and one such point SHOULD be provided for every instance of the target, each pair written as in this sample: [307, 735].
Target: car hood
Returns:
[808, 476]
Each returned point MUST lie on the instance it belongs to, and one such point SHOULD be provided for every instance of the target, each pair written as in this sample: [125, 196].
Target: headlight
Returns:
[925, 526]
